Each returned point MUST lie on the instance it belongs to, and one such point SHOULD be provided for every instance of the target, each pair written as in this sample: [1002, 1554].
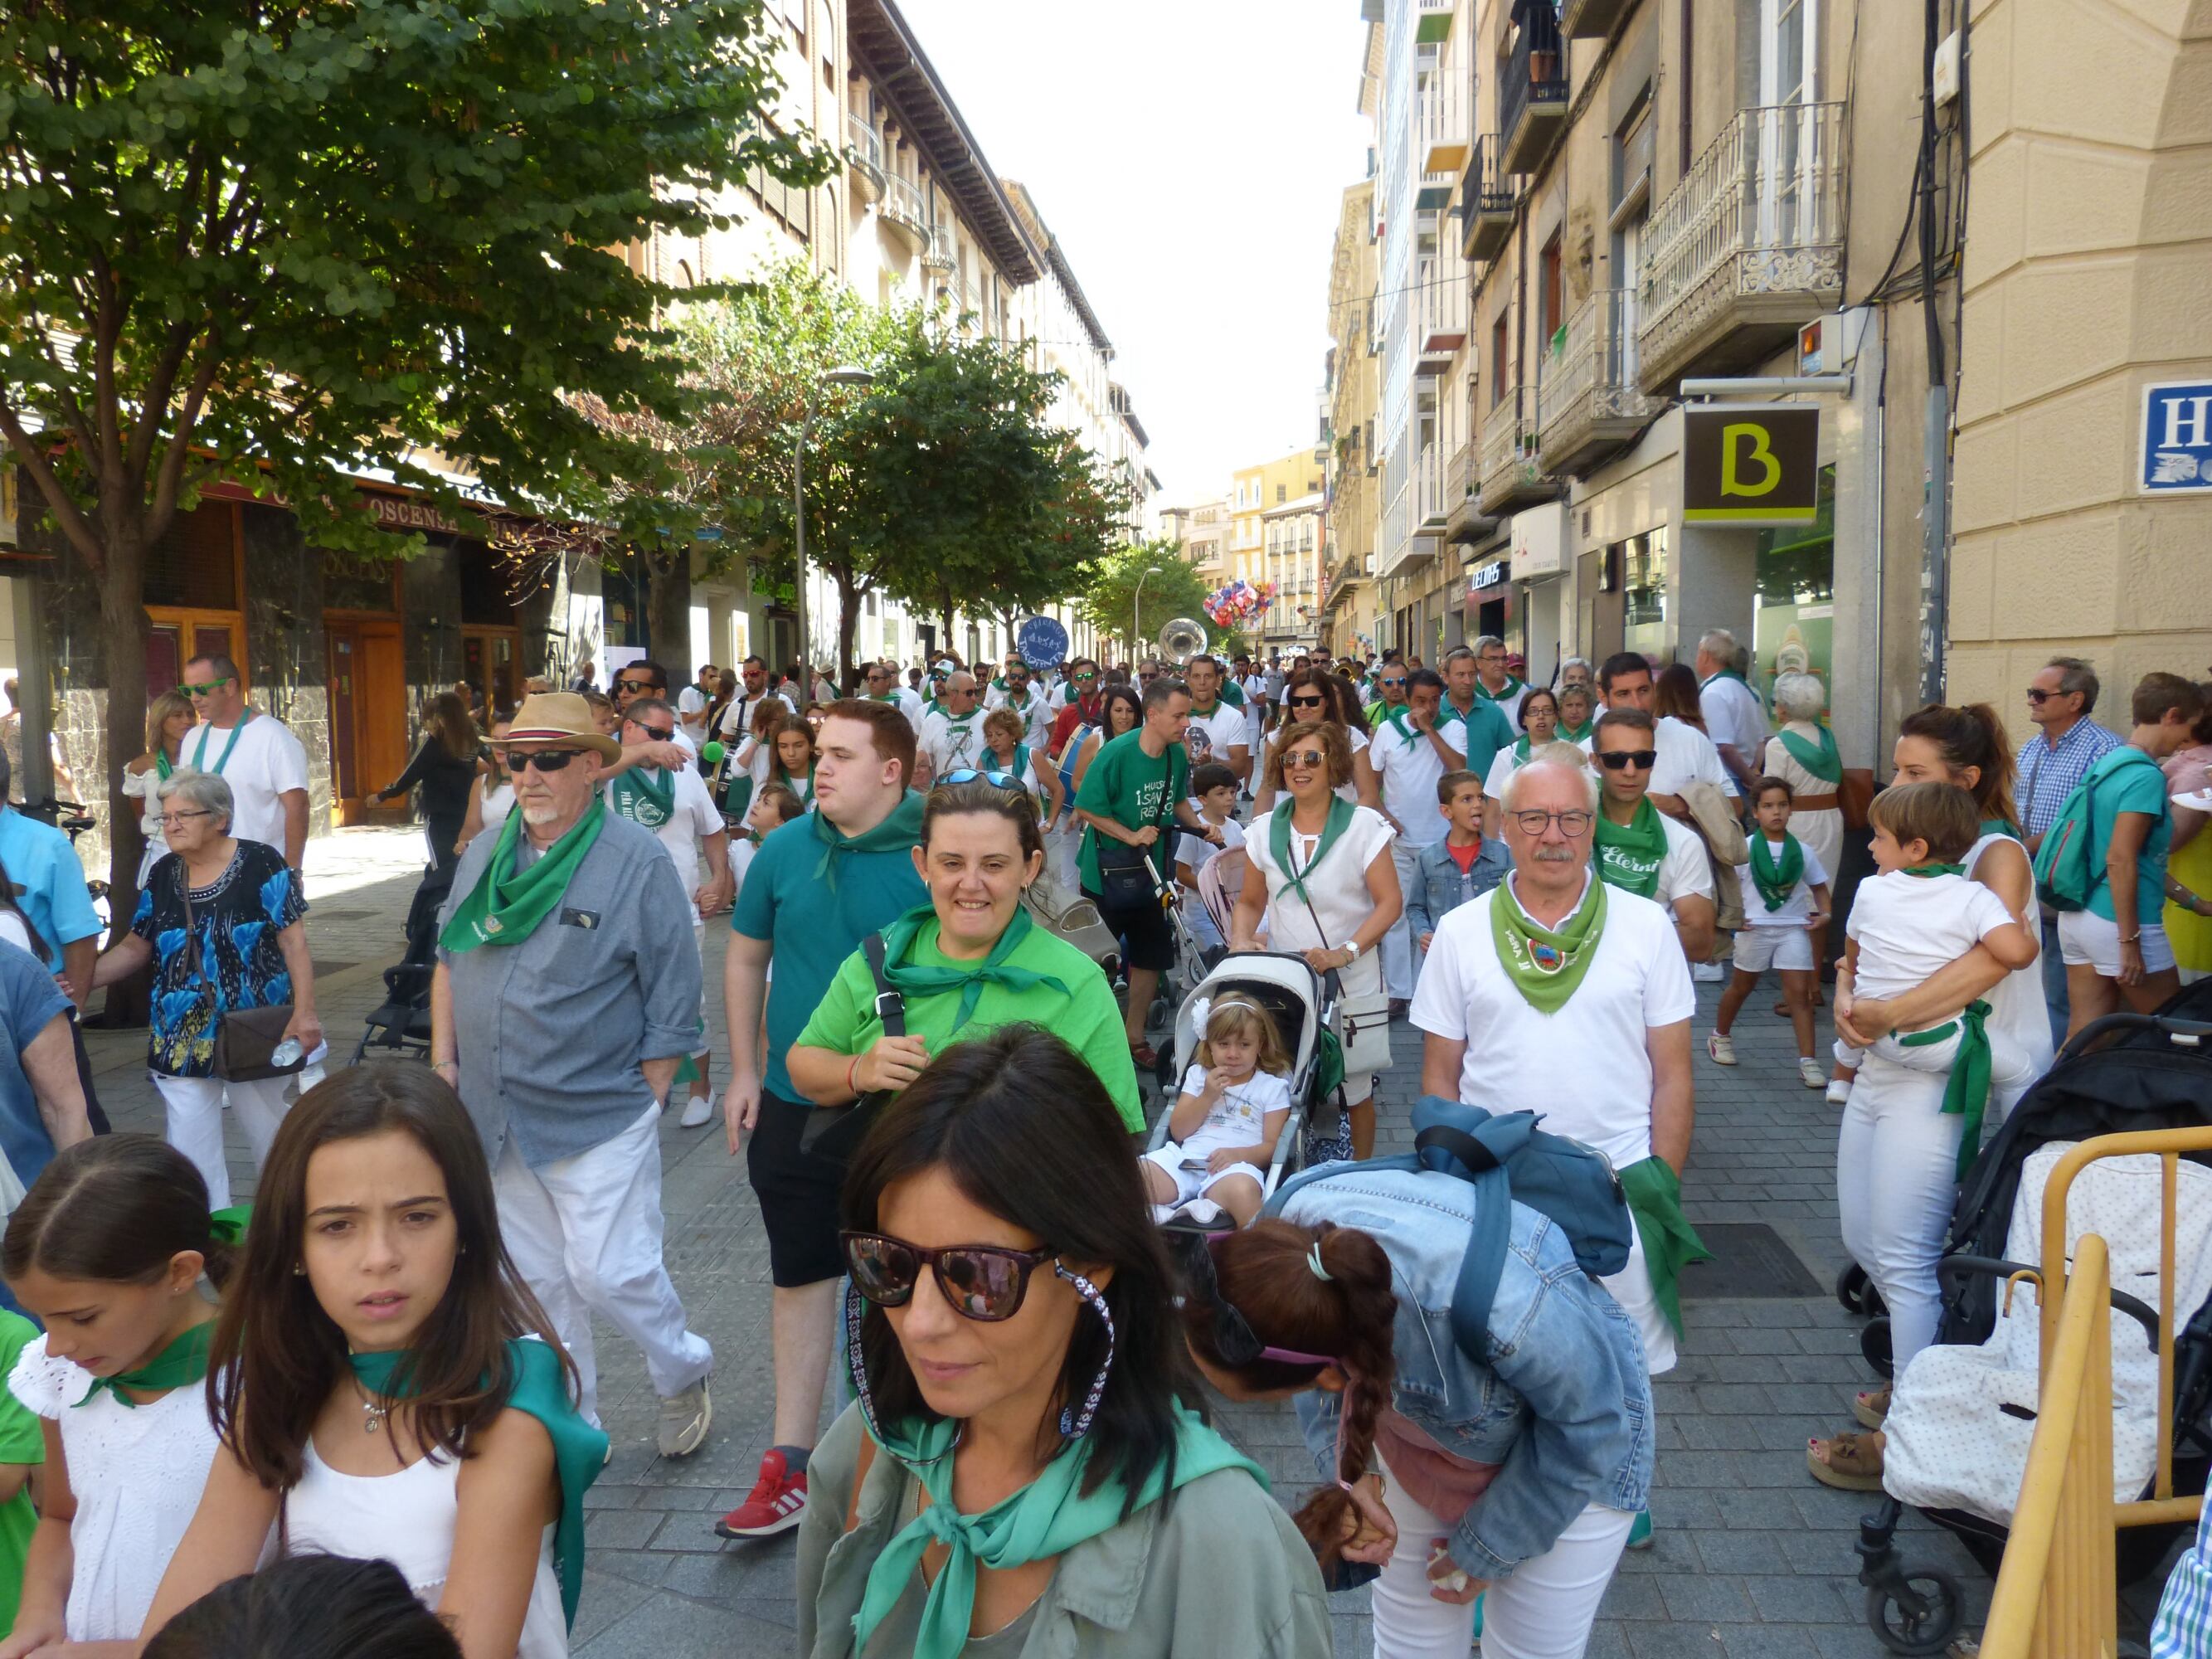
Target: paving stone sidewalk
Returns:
[1753, 1559]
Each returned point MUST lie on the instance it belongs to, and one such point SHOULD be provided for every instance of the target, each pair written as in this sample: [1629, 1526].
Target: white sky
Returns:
[1191, 156]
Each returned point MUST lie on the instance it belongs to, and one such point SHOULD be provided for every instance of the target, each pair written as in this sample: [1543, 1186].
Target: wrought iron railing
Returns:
[903, 201]
[1508, 438]
[1594, 373]
[1527, 75]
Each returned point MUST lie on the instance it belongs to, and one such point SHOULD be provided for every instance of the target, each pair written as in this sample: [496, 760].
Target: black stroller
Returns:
[2128, 1071]
[401, 1023]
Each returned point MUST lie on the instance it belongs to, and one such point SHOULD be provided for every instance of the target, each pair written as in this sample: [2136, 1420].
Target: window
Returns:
[1501, 334]
[1643, 577]
[1549, 301]
[1282, 494]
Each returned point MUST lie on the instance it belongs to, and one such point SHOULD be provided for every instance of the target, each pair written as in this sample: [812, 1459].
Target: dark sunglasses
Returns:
[633, 686]
[1307, 702]
[2036, 695]
[658, 733]
[1613, 759]
[206, 690]
[1388, 685]
[545, 759]
[984, 1282]
[1234, 1338]
[970, 773]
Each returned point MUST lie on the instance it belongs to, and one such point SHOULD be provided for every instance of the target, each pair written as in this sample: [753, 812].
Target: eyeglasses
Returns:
[170, 820]
[1305, 758]
[2036, 695]
[1574, 823]
[970, 773]
[1614, 759]
[1392, 684]
[206, 691]
[545, 759]
[984, 1282]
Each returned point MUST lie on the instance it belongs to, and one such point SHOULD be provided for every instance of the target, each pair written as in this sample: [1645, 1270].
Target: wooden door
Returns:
[368, 719]
[347, 786]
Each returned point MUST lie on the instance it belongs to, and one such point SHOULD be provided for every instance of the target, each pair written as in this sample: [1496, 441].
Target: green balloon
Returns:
[712, 753]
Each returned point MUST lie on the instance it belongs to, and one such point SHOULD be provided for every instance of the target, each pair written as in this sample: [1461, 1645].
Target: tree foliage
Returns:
[1110, 589]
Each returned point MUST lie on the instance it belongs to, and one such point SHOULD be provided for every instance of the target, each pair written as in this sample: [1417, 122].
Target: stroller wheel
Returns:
[1873, 1343]
[1921, 1618]
[1851, 1287]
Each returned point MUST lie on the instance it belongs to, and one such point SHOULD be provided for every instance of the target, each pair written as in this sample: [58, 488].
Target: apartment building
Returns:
[1253, 490]
[1294, 541]
[1351, 506]
[1201, 531]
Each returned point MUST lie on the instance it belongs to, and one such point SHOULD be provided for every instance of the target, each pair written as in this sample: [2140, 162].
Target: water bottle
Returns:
[287, 1053]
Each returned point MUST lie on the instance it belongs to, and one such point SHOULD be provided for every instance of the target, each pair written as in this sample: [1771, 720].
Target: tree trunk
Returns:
[848, 624]
[668, 615]
[125, 626]
[944, 615]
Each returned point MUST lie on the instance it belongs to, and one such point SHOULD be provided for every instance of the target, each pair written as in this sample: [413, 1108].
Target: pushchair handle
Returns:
[1953, 1268]
[2184, 1033]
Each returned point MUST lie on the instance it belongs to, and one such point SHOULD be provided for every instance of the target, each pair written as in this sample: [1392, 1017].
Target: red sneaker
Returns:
[776, 1503]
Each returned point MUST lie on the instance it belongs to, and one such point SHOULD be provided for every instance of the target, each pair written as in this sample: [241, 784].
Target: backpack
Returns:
[2068, 869]
[1508, 1160]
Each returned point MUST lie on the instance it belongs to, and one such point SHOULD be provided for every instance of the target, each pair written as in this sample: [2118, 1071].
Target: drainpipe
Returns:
[1682, 99]
[1935, 449]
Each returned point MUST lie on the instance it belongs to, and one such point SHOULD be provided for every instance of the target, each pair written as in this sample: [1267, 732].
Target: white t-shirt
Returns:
[1586, 1068]
[1910, 927]
[1408, 773]
[1345, 791]
[738, 714]
[498, 802]
[1198, 852]
[1210, 737]
[1505, 763]
[1686, 871]
[1256, 713]
[1509, 706]
[1337, 893]
[694, 819]
[1239, 1117]
[691, 707]
[1036, 714]
[1684, 753]
[1733, 716]
[1800, 905]
[951, 744]
[267, 762]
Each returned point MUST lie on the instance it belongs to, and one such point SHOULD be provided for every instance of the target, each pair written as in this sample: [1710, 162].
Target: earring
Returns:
[1073, 1425]
[299, 1270]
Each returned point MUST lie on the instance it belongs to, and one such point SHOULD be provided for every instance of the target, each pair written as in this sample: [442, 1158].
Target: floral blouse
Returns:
[235, 920]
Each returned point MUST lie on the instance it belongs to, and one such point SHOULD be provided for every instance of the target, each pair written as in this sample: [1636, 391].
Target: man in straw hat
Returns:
[567, 995]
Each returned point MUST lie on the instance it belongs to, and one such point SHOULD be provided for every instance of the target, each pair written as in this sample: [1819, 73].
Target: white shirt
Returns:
[498, 802]
[1511, 707]
[1337, 893]
[1036, 714]
[691, 706]
[694, 818]
[1587, 1069]
[1794, 913]
[1506, 763]
[1240, 1116]
[951, 744]
[1210, 737]
[1909, 927]
[1686, 871]
[2016, 1005]
[738, 715]
[267, 764]
[1408, 773]
[1684, 753]
[1733, 716]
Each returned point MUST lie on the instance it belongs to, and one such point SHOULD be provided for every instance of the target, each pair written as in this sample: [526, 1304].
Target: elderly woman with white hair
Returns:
[220, 920]
[1803, 756]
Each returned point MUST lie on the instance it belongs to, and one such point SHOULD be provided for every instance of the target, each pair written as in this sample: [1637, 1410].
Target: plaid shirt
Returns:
[2048, 775]
[2183, 1629]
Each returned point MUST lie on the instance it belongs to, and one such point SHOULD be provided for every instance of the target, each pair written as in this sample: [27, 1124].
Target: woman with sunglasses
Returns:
[1323, 878]
[969, 962]
[1315, 694]
[1026, 1469]
[1513, 1478]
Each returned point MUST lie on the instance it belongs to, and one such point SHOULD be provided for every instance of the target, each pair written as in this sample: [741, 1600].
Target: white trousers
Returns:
[1399, 968]
[194, 1109]
[1544, 1611]
[586, 1236]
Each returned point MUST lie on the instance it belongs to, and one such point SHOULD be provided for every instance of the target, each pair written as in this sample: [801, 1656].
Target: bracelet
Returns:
[440, 1065]
[852, 1073]
[2131, 939]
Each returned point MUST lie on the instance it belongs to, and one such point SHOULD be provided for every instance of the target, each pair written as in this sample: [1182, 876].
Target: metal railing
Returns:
[866, 144]
[939, 251]
[1771, 184]
[1440, 302]
[1509, 437]
[903, 202]
[1442, 112]
[1598, 362]
[1459, 477]
[1526, 77]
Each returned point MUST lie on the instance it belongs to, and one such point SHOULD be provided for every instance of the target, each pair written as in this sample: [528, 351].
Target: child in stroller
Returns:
[1223, 1131]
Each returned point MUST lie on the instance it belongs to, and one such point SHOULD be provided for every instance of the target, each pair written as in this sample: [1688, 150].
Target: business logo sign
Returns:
[1747, 466]
[2177, 438]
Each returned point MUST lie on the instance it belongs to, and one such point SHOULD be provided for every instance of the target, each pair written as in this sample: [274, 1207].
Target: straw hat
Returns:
[558, 717]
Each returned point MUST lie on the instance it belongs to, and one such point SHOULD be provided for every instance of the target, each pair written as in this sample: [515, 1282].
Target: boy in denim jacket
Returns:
[1460, 866]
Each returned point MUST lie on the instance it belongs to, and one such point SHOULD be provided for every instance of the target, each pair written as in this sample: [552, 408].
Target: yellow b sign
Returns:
[1750, 465]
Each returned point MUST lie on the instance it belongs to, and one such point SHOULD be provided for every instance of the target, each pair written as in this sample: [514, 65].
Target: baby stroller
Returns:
[1962, 1420]
[1071, 917]
[1303, 1005]
[401, 1023]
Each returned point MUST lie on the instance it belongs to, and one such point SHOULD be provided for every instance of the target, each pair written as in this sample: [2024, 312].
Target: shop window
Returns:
[1643, 578]
[359, 581]
[195, 562]
[1797, 579]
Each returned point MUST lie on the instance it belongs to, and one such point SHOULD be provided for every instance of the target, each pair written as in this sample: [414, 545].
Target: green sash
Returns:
[1279, 844]
[199, 755]
[1521, 750]
[1923, 871]
[645, 796]
[1628, 854]
[579, 1451]
[504, 908]
[1967, 1092]
[1776, 882]
[179, 1365]
[1547, 964]
[902, 830]
[1820, 759]
[914, 980]
[1670, 1243]
[1047, 1517]
[161, 765]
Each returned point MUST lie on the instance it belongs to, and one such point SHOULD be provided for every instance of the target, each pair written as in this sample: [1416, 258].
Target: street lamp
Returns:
[844, 375]
[1136, 633]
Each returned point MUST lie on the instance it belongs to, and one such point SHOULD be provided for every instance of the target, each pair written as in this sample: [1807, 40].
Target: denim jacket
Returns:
[1564, 1407]
[1439, 887]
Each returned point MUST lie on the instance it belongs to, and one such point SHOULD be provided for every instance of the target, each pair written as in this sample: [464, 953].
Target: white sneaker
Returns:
[684, 1420]
[1722, 1049]
[1708, 973]
[1810, 1074]
[699, 1110]
[1839, 1092]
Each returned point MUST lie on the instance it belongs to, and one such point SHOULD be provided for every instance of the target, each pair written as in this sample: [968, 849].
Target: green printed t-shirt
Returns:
[813, 927]
[1087, 1018]
[22, 1441]
[1128, 785]
[2128, 782]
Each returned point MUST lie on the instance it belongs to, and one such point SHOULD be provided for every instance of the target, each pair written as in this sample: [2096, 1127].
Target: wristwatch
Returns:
[1354, 948]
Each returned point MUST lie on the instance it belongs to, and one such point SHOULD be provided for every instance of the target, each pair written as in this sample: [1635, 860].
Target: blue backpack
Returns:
[1508, 1160]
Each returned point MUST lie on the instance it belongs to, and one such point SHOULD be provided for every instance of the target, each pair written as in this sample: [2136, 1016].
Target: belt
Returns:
[1967, 1090]
[1815, 803]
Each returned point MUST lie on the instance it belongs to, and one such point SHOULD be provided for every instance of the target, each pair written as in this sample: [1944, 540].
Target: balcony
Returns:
[1464, 522]
[1439, 314]
[1429, 508]
[1591, 403]
[1512, 473]
[906, 211]
[1580, 20]
[1749, 244]
[939, 253]
[1432, 20]
[1444, 116]
[864, 154]
[1485, 203]
[1532, 102]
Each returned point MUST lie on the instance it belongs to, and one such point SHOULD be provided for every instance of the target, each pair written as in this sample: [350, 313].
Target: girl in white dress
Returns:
[129, 1310]
[379, 1393]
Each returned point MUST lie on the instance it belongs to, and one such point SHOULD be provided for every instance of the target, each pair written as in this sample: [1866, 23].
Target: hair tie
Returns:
[1313, 1260]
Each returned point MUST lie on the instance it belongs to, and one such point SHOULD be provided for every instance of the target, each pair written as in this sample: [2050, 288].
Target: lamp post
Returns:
[846, 375]
[1136, 633]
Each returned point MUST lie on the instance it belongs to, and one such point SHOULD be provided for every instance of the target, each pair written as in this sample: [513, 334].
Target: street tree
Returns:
[281, 244]
[1111, 602]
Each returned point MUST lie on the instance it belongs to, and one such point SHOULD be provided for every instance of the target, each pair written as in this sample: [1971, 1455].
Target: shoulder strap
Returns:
[860, 1466]
[891, 1004]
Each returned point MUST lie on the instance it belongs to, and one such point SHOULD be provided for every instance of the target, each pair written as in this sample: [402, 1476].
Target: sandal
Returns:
[1872, 1409]
[1853, 1463]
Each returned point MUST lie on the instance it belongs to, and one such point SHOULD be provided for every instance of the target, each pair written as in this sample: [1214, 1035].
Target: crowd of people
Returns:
[1021, 1306]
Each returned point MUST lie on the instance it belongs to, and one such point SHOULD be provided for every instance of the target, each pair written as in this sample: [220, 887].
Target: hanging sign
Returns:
[1747, 466]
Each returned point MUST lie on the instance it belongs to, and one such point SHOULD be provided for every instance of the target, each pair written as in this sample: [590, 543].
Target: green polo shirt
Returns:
[22, 1442]
[1086, 1018]
[1134, 789]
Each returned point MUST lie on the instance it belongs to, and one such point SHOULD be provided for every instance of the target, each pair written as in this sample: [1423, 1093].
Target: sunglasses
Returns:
[1574, 823]
[659, 733]
[633, 686]
[1305, 758]
[1085, 679]
[1307, 702]
[983, 1282]
[1614, 759]
[970, 773]
[545, 759]
[207, 690]
[1233, 1340]
[1389, 684]
[2036, 695]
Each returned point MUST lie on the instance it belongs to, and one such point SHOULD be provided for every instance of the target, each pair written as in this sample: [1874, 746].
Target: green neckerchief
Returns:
[1967, 1093]
[504, 908]
[162, 760]
[1926, 870]
[646, 796]
[1776, 882]
[785, 778]
[179, 1365]
[199, 758]
[1628, 854]
[1820, 759]
[1279, 844]
[1581, 733]
[1670, 1243]
[2001, 827]
[1047, 1517]
[228, 1226]
[1521, 750]
[913, 979]
[1512, 688]
[1547, 964]
[902, 830]
[1231, 693]
[1723, 674]
[1400, 719]
[579, 1451]
[1209, 711]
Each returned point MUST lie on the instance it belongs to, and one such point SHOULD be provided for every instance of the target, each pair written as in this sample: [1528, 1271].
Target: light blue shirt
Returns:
[49, 882]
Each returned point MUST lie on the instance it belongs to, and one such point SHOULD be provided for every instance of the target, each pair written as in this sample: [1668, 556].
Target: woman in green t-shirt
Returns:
[967, 963]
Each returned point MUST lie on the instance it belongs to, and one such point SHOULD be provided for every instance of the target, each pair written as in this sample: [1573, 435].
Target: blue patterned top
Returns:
[236, 918]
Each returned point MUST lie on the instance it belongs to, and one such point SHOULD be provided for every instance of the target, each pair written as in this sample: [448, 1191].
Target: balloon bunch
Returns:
[1238, 602]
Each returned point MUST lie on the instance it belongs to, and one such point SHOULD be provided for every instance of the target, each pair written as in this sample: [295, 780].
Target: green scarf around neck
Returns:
[1582, 733]
[1925, 870]
[1278, 842]
[1723, 674]
[1776, 881]
[901, 830]
[1628, 854]
[645, 795]
[1520, 747]
[2002, 827]
[1547, 964]
[969, 978]
[1820, 759]
[504, 908]
[1512, 688]
[1047, 1517]
[1400, 719]
[540, 1389]
[179, 1365]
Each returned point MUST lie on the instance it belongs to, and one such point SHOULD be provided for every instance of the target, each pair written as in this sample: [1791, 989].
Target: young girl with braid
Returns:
[1513, 1478]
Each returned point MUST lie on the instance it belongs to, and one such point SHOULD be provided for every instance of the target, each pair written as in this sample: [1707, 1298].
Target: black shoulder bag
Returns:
[1127, 878]
[834, 1132]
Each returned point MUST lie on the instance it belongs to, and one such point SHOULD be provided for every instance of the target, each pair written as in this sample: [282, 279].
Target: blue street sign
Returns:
[1042, 642]
[2176, 438]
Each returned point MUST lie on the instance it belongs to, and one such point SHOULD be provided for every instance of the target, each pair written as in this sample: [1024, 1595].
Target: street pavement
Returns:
[1752, 1559]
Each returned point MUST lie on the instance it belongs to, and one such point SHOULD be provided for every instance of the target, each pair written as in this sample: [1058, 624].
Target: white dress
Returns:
[1338, 897]
[2016, 1005]
[408, 1518]
[137, 1475]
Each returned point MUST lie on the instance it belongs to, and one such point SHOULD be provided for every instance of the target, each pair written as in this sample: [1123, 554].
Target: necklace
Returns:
[373, 1417]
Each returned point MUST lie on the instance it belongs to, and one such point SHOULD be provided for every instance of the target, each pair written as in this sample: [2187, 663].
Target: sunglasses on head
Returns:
[970, 773]
[545, 759]
[1641, 759]
[985, 1282]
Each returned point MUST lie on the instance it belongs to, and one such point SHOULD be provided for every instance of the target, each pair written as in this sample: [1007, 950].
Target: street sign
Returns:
[1042, 642]
[2177, 438]
[1745, 465]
